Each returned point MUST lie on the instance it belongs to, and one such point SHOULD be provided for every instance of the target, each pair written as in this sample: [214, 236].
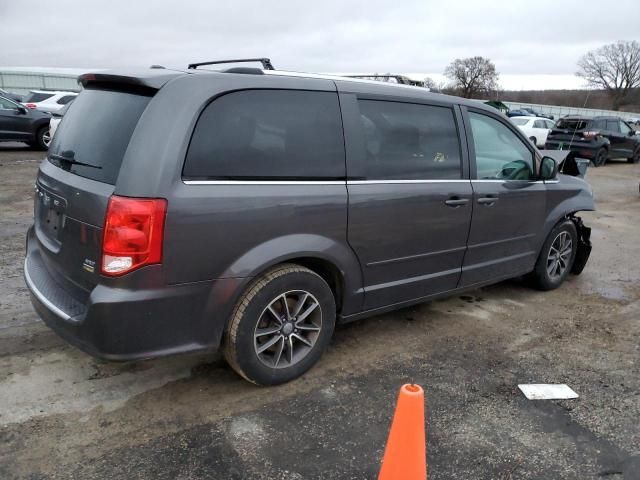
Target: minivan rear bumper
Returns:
[130, 324]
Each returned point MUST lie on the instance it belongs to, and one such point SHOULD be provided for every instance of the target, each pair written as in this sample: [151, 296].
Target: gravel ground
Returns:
[66, 415]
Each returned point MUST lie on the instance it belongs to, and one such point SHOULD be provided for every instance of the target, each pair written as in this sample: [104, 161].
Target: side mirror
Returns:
[548, 168]
[632, 133]
[22, 110]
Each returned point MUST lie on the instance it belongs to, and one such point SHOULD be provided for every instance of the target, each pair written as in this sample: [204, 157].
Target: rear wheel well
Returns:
[329, 273]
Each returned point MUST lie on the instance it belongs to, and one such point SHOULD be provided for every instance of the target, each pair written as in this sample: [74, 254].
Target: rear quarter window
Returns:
[96, 130]
[268, 134]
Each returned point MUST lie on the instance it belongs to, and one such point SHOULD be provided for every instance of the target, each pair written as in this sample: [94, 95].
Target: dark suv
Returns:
[21, 124]
[598, 139]
[253, 209]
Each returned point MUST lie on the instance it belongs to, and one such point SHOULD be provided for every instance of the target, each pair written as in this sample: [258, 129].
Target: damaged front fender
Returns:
[584, 246]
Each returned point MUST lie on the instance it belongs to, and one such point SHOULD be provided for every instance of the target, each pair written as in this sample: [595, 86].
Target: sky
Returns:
[534, 44]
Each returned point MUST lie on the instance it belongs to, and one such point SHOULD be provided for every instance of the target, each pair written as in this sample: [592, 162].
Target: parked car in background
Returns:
[535, 128]
[20, 124]
[257, 220]
[48, 101]
[596, 138]
[527, 112]
[11, 96]
[56, 117]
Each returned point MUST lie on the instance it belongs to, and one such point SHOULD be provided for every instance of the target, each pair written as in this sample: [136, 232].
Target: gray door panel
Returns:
[508, 205]
[409, 196]
[409, 241]
[503, 239]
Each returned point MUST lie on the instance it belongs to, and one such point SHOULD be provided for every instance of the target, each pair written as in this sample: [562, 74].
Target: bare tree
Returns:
[434, 86]
[472, 76]
[614, 68]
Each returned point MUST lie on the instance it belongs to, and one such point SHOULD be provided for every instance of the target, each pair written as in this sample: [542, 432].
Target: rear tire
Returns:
[601, 157]
[41, 142]
[636, 156]
[556, 256]
[280, 326]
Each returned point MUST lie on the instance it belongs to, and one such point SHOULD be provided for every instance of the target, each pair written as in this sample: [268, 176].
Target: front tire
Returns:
[556, 257]
[636, 156]
[601, 157]
[281, 325]
[42, 138]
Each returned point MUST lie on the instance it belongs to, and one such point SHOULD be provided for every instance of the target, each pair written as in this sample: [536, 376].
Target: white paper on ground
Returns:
[547, 391]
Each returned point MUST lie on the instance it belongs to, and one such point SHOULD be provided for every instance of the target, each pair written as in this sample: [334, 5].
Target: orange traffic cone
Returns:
[405, 457]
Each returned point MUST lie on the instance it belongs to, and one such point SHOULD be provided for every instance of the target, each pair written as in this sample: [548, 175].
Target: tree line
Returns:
[612, 71]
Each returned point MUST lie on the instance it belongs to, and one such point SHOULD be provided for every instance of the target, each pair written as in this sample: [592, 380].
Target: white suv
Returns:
[535, 128]
[48, 100]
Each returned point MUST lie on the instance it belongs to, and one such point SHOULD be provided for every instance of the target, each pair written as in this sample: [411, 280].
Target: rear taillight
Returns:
[590, 134]
[133, 234]
[30, 105]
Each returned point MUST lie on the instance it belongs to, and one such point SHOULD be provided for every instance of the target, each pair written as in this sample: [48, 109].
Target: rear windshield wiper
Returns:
[72, 161]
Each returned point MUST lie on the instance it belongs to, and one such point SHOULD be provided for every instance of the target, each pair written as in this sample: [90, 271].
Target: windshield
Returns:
[572, 123]
[520, 121]
[94, 134]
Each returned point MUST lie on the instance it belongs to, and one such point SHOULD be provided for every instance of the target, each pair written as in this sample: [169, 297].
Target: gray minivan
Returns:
[252, 209]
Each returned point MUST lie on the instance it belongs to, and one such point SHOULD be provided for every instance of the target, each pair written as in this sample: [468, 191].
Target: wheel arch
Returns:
[334, 261]
[581, 201]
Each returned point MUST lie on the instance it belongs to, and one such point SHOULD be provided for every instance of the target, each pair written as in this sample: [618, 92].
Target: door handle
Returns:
[456, 202]
[488, 200]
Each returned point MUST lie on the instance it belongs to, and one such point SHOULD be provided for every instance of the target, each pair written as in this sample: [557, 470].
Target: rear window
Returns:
[572, 124]
[96, 131]
[268, 134]
[35, 97]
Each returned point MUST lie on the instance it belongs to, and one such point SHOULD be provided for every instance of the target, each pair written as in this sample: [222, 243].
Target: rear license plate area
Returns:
[50, 214]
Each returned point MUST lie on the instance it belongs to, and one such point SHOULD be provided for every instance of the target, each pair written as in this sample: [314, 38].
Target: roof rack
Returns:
[402, 79]
[266, 63]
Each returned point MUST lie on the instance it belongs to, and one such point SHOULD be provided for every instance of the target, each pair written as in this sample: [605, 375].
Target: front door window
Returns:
[500, 153]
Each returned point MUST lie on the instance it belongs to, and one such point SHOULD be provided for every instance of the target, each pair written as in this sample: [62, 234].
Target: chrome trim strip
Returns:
[371, 182]
[41, 297]
[347, 182]
[264, 182]
[313, 182]
[503, 181]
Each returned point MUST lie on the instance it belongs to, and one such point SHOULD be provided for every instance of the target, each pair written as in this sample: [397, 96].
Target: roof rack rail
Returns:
[401, 79]
[266, 63]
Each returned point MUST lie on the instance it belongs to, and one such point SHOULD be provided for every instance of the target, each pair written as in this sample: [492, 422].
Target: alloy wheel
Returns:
[46, 138]
[288, 329]
[559, 256]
